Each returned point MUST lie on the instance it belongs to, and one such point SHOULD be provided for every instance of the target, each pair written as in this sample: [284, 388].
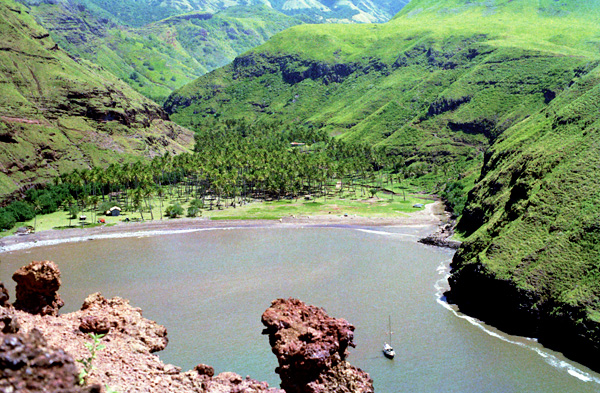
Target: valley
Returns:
[254, 111]
[497, 99]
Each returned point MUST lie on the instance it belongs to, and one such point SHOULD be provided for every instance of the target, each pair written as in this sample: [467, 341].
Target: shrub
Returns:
[7, 220]
[21, 211]
[48, 198]
[195, 208]
[47, 203]
[455, 197]
[174, 210]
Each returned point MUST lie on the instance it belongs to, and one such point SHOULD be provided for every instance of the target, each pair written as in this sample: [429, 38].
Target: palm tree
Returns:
[70, 201]
[94, 199]
[137, 196]
[37, 206]
[160, 193]
[148, 191]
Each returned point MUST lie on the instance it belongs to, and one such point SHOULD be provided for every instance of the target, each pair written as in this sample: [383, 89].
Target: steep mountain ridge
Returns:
[139, 13]
[58, 114]
[533, 221]
[164, 55]
[428, 91]
[499, 95]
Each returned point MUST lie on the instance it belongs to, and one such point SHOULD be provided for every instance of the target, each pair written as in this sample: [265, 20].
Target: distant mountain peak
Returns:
[141, 12]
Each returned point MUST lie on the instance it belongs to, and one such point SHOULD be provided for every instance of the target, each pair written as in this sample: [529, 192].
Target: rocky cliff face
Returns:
[530, 262]
[312, 348]
[58, 113]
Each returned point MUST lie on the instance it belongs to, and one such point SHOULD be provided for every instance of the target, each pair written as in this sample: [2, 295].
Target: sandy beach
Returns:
[433, 214]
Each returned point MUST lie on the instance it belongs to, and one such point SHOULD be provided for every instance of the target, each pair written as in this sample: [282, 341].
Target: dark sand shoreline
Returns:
[433, 214]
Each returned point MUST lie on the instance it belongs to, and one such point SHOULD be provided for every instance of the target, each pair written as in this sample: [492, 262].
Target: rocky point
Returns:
[37, 288]
[38, 346]
[312, 348]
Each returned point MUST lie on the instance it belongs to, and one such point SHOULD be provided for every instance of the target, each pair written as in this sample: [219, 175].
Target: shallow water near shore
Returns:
[210, 287]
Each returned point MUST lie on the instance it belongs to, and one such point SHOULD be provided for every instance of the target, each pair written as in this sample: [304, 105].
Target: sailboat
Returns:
[388, 350]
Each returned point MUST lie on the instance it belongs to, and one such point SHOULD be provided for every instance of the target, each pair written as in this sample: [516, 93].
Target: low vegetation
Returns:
[88, 363]
[234, 167]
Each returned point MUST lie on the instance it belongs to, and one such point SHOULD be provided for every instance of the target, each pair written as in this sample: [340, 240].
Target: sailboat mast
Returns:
[390, 328]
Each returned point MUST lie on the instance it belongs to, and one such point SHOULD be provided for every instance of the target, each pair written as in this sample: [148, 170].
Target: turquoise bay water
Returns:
[209, 288]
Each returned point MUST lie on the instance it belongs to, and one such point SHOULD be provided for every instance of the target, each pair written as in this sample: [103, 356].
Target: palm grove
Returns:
[233, 163]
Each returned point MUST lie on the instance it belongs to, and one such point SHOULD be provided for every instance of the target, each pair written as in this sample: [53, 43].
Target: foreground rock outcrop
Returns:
[28, 364]
[32, 333]
[3, 296]
[40, 350]
[127, 363]
[312, 348]
[37, 288]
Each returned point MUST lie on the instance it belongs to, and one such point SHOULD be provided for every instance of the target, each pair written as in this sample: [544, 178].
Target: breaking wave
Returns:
[442, 285]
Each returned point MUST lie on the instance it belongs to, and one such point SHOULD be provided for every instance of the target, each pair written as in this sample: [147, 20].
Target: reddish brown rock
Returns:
[311, 348]
[28, 364]
[37, 287]
[125, 362]
[8, 321]
[94, 324]
[3, 296]
[125, 319]
[203, 369]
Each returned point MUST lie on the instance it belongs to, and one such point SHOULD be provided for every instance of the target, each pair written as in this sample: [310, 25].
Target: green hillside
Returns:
[162, 56]
[138, 13]
[509, 86]
[58, 114]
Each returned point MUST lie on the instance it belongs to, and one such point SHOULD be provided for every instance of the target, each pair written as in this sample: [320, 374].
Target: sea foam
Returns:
[442, 285]
[121, 235]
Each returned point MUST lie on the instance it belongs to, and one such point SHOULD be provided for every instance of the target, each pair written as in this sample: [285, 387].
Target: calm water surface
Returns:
[209, 289]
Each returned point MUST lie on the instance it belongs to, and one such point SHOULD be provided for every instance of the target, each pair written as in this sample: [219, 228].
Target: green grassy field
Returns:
[353, 204]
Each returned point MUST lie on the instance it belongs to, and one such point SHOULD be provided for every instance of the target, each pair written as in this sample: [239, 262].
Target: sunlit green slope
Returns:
[158, 58]
[58, 114]
[429, 85]
[450, 85]
[141, 12]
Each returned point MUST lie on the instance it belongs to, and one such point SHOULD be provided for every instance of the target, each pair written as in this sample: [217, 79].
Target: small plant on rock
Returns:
[93, 347]
[110, 389]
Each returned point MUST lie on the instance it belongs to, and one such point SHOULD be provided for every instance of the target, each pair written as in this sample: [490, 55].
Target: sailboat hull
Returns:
[388, 351]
